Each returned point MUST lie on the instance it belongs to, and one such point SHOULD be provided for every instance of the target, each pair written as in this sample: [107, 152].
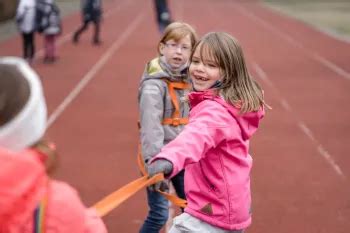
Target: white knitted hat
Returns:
[29, 124]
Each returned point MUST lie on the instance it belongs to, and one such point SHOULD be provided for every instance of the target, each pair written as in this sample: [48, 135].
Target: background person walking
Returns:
[49, 23]
[91, 13]
[26, 23]
[163, 15]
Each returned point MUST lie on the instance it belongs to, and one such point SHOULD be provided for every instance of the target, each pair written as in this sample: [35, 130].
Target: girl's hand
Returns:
[160, 166]
[48, 153]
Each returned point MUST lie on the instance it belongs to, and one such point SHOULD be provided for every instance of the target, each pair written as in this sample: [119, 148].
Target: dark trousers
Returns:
[28, 45]
[162, 14]
[96, 37]
[158, 206]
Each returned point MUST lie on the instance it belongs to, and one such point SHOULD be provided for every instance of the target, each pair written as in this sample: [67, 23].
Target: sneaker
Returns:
[75, 39]
[97, 42]
[49, 60]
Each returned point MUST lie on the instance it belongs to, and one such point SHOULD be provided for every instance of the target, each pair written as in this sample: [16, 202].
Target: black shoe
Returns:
[97, 42]
[49, 60]
[75, 39]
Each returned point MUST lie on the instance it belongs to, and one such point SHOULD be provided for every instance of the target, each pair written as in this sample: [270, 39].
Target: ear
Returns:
[161, 48]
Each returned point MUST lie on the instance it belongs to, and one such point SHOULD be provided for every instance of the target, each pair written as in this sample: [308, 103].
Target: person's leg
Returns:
[81, 29]
[31, 46]
[163, 14]
[157, 214]
[53, 47]
[51, 42]
[28, 46]
[96, 39]
[25, 45]
[49, 48]
[46, 48]
[178, 183]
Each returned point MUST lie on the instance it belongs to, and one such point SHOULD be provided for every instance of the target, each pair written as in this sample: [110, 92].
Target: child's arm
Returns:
[151, 107]
[207, 128]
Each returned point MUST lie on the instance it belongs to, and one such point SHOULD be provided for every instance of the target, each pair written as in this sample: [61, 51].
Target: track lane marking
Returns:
[325, 62]
[301, 125]
[94, 70]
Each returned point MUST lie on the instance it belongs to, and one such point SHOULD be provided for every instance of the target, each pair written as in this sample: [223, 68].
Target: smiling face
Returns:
[176, 53]
[204, 70]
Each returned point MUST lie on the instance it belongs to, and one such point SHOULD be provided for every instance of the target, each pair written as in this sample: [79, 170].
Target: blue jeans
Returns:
[159, 208]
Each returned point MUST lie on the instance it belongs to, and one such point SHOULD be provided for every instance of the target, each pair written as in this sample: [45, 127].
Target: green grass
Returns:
[331, 16]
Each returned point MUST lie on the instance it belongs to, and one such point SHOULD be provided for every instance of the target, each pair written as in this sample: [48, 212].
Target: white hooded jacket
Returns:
[25, 16]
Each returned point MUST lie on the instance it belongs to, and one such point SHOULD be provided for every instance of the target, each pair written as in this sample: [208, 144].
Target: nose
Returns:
[178, 49]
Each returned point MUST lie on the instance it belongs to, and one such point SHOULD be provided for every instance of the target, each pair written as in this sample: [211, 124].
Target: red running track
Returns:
[300, 178]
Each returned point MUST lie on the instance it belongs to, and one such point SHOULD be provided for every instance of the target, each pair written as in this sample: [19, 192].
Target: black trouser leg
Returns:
[80, 30]
[28, 45]
[96, 38]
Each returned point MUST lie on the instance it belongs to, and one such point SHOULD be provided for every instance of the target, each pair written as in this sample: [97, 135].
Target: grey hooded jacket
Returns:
[155, 105]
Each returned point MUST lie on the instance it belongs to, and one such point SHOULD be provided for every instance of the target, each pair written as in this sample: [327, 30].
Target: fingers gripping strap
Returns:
[113, 200]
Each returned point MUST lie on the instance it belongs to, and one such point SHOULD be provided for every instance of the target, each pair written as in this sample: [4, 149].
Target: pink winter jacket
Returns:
[23, 183]
[214, 149]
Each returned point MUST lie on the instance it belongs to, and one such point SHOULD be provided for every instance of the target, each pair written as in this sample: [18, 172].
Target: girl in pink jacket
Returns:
[29, 200]
[226, 108]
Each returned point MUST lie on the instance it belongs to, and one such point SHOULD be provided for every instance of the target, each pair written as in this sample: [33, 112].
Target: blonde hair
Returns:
[238, 87]
[176, 31]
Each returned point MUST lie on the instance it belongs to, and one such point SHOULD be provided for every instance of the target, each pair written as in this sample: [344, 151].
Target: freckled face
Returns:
[204, 70]
[176, 53]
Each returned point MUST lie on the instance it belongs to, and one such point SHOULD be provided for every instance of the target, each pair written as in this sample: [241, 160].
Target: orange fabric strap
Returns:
[114, 199]
[175, 120]
[174, 199]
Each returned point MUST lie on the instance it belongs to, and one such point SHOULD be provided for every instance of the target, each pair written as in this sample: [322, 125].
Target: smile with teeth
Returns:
[201, 78]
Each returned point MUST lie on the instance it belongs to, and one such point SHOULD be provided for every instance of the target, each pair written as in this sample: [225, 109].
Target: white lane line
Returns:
[285, 105]
[302, 126]
[306, 131]
[91, 74]
[330, 65]
[330, 160]
[67, 37]
[262, 74]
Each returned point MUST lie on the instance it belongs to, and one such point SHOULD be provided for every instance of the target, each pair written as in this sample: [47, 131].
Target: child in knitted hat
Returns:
[29, 200]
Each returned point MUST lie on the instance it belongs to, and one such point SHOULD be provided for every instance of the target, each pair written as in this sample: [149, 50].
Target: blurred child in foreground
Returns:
[29, 200]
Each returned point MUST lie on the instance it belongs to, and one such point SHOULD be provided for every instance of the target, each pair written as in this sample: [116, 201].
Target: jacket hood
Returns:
[248, 122]
[22, 181]
[158, 69]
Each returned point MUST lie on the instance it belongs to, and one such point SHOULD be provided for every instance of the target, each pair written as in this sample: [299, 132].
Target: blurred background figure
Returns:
[91, 13]
[26, 23]
[49, 23]
[162, 14]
